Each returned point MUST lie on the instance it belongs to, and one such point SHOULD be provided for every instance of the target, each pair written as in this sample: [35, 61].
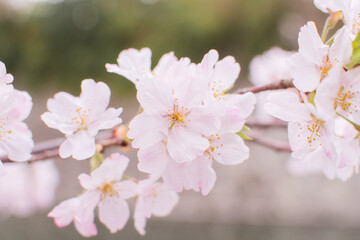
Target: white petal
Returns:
[230, 149]
[147, 129]
[184, 145]
[286, 106]
[153, 159]
[114, 213]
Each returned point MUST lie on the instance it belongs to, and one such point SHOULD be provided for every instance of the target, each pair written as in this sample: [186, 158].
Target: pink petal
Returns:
[114, 213]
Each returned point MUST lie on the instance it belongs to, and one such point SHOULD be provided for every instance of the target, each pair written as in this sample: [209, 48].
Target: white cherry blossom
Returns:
[314, 60]
[5, 78]
[103, 188]
[152, 198]
[15, 137]
[27, 188]
[133, 64]
[80, 118]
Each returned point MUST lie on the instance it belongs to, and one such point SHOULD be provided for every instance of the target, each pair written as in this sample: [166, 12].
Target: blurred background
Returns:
[51, 45]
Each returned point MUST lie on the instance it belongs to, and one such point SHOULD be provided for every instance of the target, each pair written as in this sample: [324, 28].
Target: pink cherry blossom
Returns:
[15, 137]
[80, 118]
[339, 93]
[79, 210]
[189, 120]
[328, 6]
[152, 198]
[133, 64]
[270, 67]
[104, 189]
[313, 61]
[5, 78]
[175, 115]
[315, 145]
[27, 188]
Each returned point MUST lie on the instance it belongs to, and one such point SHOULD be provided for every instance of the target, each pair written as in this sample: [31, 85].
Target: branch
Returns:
[270, 143]
[283, 84]
[273, 124]
[50, 149]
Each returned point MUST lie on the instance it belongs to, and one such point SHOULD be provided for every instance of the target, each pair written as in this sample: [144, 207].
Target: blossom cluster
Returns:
[15, 106]
[188, 119]
[107, 188]
[322, 109]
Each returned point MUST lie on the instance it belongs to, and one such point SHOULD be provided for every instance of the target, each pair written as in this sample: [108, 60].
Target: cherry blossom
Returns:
[328, 6]
[104, 189]
[152, 198]
[135, 65]
[314, 144]
[269, 67]
[204, 127]
[15, 137]
[80, 118]
[175, 115]
[27, 188]
[313, 61]
[339, 93]
[5, 78]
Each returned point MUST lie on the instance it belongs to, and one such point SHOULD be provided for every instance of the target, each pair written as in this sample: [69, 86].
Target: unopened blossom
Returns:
[314, 60]
[153, 198]
[80, 118]
[15, 137]
[103, 188]
[27, 188]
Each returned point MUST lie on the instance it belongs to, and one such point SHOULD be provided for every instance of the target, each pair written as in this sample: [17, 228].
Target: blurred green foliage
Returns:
[61, 44]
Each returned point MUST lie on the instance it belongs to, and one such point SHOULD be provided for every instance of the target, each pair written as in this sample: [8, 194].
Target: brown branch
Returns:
[50, 149]
[270, 143]
[283, 84]
[274, 124]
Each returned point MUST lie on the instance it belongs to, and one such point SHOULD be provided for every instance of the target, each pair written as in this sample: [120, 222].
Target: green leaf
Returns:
[246, 128]
[96, 160]
[243, 136]
[355, 57]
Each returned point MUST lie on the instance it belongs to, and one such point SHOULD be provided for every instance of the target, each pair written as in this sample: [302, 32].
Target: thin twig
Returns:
[50, 149]
[283, 84]
[270, 143]
[274, 124]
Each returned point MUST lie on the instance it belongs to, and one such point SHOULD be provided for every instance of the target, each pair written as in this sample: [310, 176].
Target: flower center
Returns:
[314, 130]
[107, 189]
[80, 117]
[325, 67]
[5, 128]
[177, 116]
[344, 100]
[356, 23]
